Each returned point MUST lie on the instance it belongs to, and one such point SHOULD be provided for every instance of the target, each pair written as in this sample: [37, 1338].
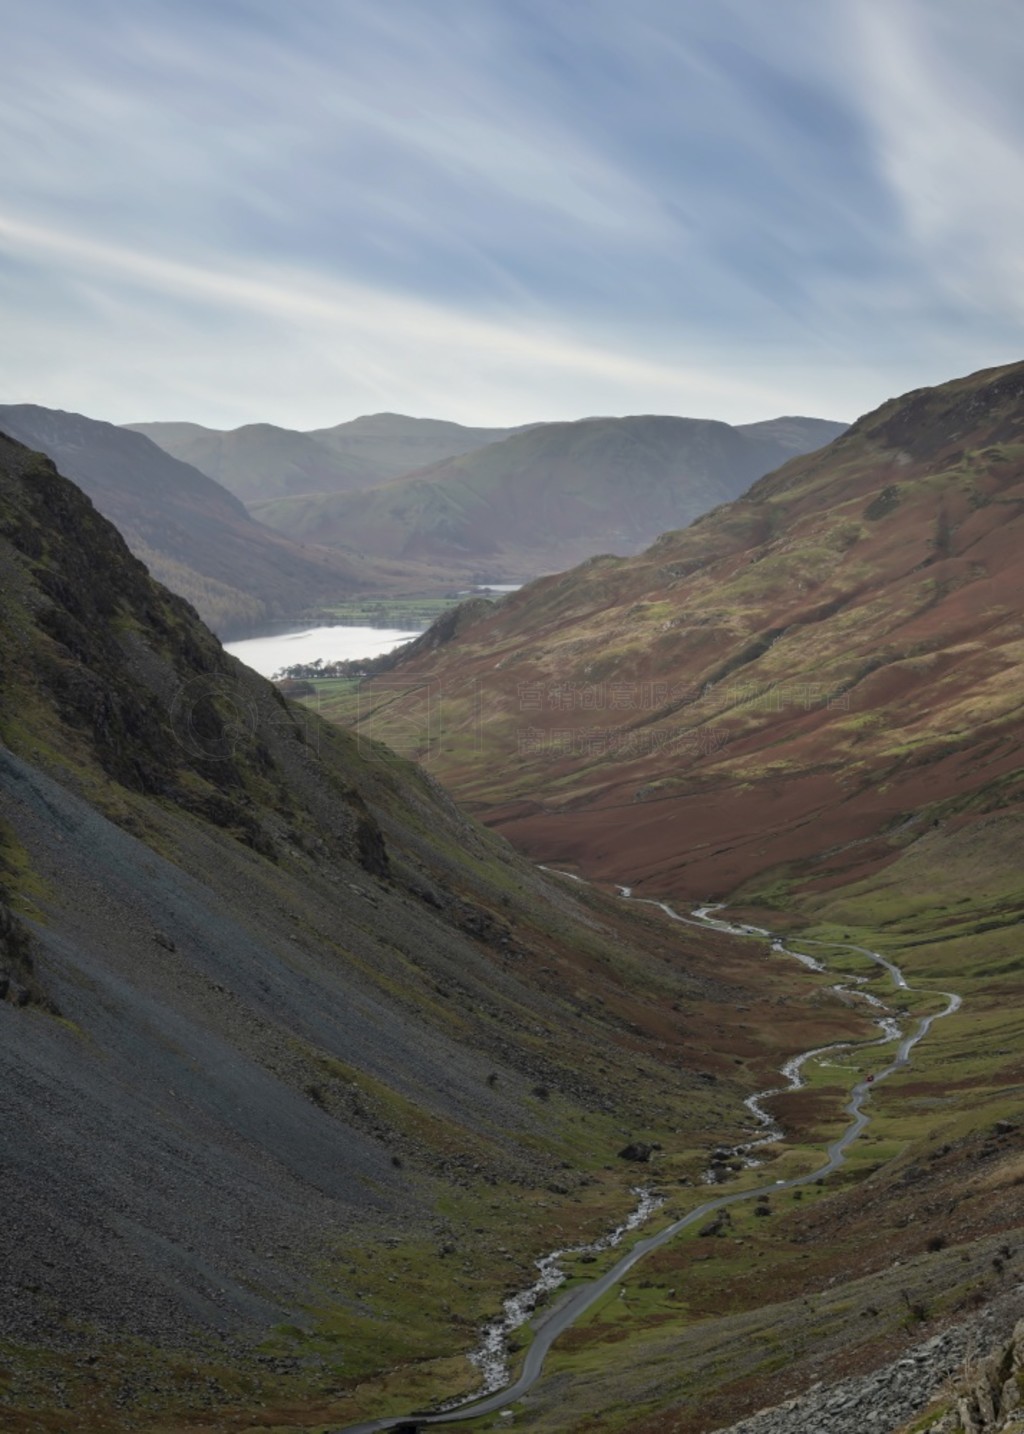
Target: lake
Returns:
[267, 655]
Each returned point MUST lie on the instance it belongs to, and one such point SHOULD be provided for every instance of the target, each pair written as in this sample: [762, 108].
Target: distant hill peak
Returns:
[840, 646]
[546, 497]
[191, 531]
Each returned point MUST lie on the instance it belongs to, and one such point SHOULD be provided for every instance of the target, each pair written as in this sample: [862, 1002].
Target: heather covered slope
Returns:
[193, 534]
[300, 1066]
[783, 687]
[546, 498]
[808, 704]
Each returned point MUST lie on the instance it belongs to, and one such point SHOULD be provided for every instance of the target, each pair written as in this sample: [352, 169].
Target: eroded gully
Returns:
[491, 1355]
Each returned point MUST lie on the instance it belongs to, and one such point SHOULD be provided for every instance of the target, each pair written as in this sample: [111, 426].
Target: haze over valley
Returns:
[524, 503]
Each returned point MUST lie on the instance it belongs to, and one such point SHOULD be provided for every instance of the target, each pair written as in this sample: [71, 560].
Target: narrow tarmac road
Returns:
[554, 1322]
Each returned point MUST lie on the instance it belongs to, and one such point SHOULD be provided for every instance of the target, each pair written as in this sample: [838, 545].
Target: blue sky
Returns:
[505, 210]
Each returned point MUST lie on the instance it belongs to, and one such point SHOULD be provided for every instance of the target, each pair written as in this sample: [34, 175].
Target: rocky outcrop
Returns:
[989, 1394]
[639, 1150]
[970, 1394]
[19, 985]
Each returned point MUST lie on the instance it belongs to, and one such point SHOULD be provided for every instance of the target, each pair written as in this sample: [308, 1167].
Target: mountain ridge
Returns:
[195, 535]
[259, 461]
[540, 500]
[903, 523]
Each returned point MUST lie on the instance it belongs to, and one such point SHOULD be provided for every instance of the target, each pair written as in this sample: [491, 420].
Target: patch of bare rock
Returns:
[973, 1373]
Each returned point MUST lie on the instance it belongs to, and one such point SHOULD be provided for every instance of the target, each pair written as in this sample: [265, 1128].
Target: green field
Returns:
[408, 613]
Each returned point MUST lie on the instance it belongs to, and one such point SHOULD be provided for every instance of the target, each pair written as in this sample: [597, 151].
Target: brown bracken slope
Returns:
[793, 687]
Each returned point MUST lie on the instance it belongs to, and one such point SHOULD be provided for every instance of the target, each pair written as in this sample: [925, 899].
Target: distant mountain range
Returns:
[261, 460]
[503, 503]
[192, 533]
[542, 499]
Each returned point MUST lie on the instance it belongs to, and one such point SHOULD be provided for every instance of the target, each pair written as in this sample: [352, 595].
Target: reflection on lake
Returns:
[268, 655]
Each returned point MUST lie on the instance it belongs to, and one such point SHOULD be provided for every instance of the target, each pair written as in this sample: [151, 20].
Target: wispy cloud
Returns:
[239, 209]
[944, 85]
[373, 341]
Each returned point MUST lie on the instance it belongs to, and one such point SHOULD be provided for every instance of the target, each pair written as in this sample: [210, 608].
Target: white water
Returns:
[268, 655]
[792, 1070]
[491, 1355]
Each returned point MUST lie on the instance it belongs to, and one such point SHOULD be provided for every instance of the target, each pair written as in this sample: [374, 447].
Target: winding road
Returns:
[553, 1322]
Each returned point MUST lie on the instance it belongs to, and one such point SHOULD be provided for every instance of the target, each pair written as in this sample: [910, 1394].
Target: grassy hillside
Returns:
[546, 498]
[392, 444]
[301, 1067]
[258, 460]
[791, 682]
[808, 703]
[795, 435]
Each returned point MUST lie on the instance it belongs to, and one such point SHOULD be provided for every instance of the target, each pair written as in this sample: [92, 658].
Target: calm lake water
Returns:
[267, 655]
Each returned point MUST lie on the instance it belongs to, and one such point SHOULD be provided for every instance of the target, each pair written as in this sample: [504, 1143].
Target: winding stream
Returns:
[491, 1355]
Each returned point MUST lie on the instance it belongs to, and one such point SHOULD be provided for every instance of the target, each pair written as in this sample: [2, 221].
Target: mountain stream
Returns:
[491, 1355]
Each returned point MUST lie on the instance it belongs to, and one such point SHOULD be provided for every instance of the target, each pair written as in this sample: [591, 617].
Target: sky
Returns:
[504, 211]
